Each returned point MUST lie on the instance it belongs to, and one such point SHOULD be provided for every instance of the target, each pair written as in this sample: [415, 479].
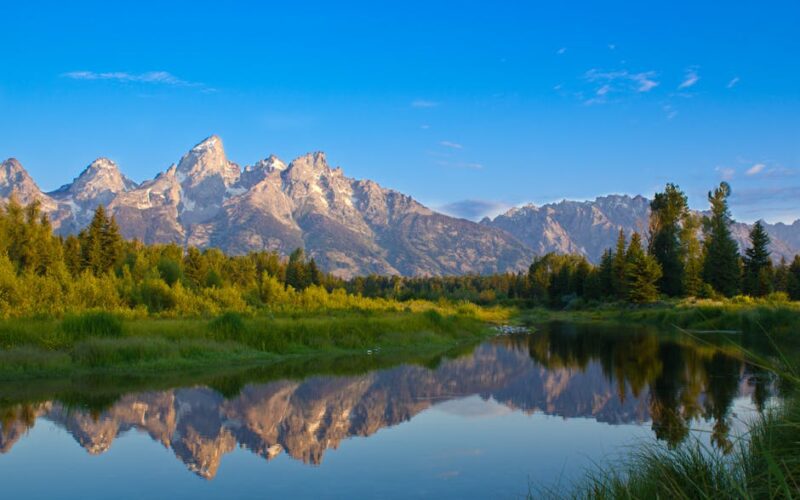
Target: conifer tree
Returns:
[314, 275]
[92, 254]
[296, 272]
[721, 266]
[668, 210]
[642, 273]
[112, 244]
[793, 280]
[757, 264]
[618, 276]
[781, 276]
[606, 274]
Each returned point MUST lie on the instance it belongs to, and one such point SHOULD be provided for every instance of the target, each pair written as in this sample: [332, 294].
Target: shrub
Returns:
[156, 295]
[92, 324]
[227, 326]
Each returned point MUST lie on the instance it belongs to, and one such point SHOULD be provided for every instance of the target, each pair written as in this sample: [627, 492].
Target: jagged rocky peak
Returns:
[14, 179]
[99, 183]
[310, 162]
[269, 164]
[207, 159]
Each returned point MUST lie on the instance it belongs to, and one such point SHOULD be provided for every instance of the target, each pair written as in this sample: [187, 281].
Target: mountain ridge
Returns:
[350, 226]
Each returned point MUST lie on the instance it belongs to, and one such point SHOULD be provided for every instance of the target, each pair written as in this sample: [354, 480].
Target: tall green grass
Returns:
[102, 341]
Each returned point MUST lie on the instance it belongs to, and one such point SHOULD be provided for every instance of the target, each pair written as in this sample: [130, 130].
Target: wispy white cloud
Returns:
[423, 103]
[153, 77]
[449, 144]
[726, 173]
[733, 82]
[670, 111]
[643, 81]
[756, 169]
[690, 79]
[561, 51]
[612, 46]
[424, 126]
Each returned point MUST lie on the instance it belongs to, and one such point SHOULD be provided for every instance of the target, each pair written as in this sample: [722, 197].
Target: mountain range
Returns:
[350, 226]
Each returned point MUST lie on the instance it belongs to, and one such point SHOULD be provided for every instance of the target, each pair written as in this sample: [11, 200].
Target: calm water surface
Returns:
[485, 423]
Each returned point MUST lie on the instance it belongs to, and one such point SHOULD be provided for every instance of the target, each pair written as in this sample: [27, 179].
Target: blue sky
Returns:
[467, 106]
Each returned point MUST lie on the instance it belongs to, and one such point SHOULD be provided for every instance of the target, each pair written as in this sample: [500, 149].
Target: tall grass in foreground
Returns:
[99, 340]
[764, 464]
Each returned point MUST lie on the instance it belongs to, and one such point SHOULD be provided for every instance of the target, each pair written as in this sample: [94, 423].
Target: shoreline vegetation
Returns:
[94, 343]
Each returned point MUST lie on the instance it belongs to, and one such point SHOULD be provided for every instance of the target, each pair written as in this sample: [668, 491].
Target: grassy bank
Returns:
[103, 343]
[740, 314]
[765, 465]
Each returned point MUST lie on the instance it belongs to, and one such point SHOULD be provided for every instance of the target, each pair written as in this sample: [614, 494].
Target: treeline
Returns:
[685, 255]
[42, 274]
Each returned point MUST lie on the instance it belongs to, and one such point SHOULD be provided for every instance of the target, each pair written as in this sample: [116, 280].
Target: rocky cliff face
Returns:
[350, 226]
[590, 227]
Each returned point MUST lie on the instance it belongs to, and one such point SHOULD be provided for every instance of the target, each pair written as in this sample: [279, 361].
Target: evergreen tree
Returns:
[667, 211]
[112, 244]
[618, 271]
[314, 275]
[793, 280]
[642, 273]
[606, 274]
[757, 264]
[296, 271]
[780, 280]
[91, 238]
[72, 255]
[721, 266]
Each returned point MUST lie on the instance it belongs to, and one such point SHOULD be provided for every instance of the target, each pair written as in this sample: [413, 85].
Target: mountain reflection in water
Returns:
[565, 370]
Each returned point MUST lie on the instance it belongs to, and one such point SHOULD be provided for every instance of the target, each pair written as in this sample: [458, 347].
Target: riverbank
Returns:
[102, 343]
[737, 315]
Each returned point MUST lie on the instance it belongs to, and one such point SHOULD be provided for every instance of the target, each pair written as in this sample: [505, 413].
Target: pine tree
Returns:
[112, 244]
[93, 256]
[605, 274]
[618, 276]
[721, 267]
[296, 271]
[780, 281]
[667, 211]
[793, 281]
[757, 264]
[314, 275]
[72, 255]
[643, 273]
